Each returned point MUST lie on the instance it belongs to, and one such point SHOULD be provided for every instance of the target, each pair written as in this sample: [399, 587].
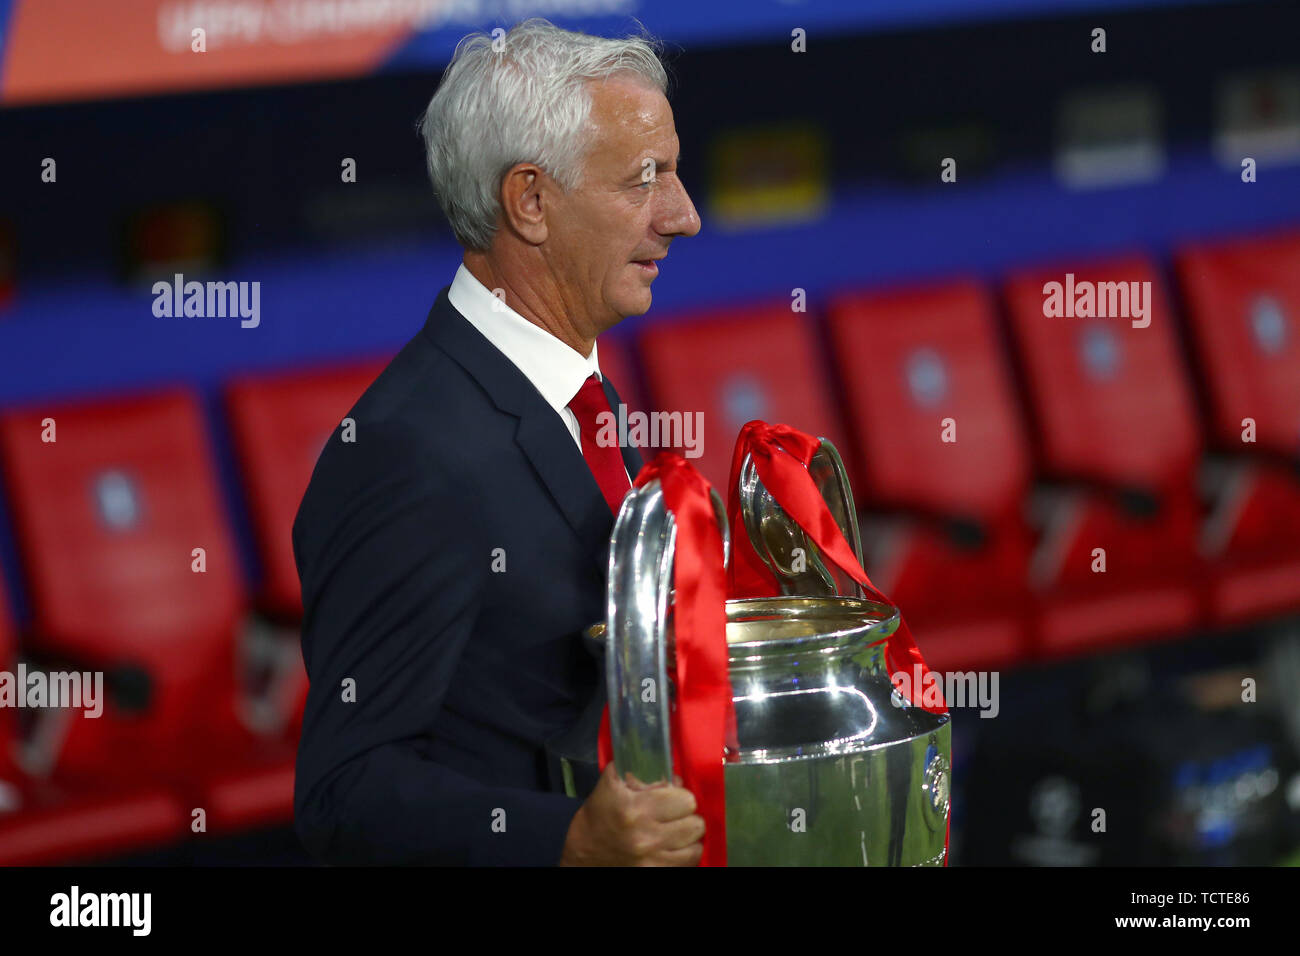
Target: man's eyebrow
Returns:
[637, 172]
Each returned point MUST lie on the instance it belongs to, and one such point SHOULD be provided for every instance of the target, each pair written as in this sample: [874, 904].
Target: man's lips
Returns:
[649, 265]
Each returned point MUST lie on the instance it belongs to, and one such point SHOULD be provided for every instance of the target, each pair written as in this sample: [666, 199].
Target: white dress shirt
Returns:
[556, 370]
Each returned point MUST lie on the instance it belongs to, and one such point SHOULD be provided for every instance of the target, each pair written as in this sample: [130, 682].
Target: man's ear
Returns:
[525, 191]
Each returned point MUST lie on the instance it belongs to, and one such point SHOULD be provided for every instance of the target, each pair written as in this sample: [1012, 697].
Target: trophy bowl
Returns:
[832, 767]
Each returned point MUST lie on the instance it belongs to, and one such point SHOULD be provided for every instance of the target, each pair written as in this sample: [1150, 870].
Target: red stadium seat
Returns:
[41, 824]
[1116, 430]
[1243, 309]
[110, 517]
[279, 425]
[955, 555]
[733, 366]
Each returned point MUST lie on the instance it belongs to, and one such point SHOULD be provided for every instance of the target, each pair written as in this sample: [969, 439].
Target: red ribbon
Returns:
[781, 456]
[703, 717]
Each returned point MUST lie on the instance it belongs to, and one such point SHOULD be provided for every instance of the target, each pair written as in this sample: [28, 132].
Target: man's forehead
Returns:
[631, 118]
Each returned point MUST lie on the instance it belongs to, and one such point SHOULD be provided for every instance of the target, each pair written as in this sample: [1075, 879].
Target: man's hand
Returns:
[631, 824]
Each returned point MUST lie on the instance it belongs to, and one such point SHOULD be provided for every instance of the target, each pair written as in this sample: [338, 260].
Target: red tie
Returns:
[605, 462]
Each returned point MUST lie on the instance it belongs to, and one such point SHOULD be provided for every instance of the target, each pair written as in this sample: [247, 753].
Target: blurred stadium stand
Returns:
[842, 288]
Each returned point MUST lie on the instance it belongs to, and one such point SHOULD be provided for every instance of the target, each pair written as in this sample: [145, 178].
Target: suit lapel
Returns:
[550, 448]
[540, 433]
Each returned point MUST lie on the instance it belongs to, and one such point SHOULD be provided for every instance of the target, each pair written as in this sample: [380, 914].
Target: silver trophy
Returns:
[833, 768]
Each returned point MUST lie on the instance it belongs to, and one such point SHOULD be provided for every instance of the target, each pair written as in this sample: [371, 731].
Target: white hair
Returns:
[521, 97]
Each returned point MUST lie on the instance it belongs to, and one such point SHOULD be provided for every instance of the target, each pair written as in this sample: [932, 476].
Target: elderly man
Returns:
[451, 554]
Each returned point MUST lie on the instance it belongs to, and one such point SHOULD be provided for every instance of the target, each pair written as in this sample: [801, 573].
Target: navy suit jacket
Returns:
[436, 678]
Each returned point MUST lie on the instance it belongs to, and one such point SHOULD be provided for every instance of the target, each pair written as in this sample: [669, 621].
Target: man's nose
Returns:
[680, 219]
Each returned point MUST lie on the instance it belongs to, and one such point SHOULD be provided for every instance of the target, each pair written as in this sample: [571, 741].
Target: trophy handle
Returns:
[782, 545]
[832, 480]
[638, 641]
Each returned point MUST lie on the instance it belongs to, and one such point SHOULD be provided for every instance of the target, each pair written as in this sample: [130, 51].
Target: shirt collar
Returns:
[556, 370]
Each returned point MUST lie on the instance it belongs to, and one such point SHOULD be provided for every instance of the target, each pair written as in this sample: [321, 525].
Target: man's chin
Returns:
[636, 304]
